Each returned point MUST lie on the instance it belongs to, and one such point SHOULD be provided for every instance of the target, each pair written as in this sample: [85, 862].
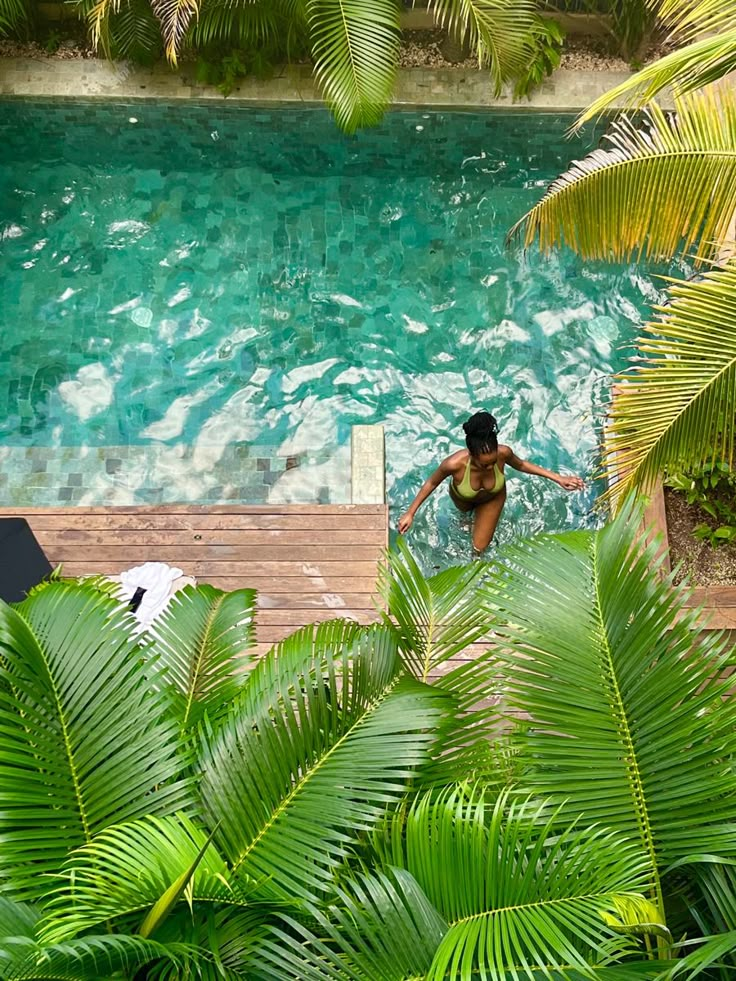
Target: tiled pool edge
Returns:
[368, 465]
[566, 90]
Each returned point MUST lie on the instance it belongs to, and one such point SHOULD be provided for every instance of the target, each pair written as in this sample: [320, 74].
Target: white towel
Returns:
[156, 578]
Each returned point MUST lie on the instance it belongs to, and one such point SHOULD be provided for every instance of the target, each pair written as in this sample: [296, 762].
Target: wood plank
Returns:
[721, 596]
[655, 523]
[352, 521]
[288, 571]
[269, 634]
[316, 601]
[198, 539]
[302, 585]
[290, 619]
[308, 563]
[180, 554]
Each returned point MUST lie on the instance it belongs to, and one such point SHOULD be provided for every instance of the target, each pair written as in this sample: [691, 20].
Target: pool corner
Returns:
[368, 465]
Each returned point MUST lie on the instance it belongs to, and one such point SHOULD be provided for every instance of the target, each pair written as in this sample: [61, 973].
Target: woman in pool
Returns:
[477, 480]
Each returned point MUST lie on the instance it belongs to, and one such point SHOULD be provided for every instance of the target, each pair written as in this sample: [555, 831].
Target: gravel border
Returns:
[419, 49]
[701, 564]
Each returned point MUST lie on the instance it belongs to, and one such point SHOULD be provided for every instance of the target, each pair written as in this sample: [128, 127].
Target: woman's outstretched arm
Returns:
[431, 484]
[524, 466]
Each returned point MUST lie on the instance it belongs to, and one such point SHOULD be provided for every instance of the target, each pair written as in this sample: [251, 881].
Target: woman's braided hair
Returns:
[480, 433]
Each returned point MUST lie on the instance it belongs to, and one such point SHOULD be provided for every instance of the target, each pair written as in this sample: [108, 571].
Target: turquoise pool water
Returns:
[200, 301]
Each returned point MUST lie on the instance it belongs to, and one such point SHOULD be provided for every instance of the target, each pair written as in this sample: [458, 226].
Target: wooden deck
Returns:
[308, 562]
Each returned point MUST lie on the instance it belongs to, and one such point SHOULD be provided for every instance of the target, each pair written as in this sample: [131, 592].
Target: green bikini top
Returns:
[465, 488]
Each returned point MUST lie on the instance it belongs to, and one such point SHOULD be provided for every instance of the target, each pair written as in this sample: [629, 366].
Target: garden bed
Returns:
[419, 49]
[699, 562]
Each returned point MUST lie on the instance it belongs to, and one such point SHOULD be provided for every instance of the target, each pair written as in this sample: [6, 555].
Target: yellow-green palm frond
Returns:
[677, 405]
[687, 19]
[98, 15]
[175, 17]
[663, 184]
[355, 44]
[684, 70]
[499, 31]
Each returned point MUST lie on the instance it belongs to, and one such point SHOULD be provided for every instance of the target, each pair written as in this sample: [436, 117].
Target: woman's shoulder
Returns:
[505, 452]
[457, 459]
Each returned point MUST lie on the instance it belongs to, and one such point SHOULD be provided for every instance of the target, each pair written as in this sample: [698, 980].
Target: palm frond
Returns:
[676, 408]
[627, 717]
[529, 893]
[382, 929]
[619, 202]
[685, 70]
[478, 890]
[501, 32]
[91, 958]
[128, 868]
[355, 46]
[14, 14]
[74, 699]
[133, 32]
[303, 655]
[98, 14]
[201, 646]
[437, 617]
[469, 747]
[175, 17]
[240, 23]
[291, 786]
[710, 952]
[691, 18]
[17, 920]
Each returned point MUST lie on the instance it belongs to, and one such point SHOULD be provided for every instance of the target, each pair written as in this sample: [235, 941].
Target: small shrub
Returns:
[544, 57]
[713, 490]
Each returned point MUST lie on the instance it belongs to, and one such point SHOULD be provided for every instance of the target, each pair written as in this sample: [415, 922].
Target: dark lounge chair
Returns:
[23, 564]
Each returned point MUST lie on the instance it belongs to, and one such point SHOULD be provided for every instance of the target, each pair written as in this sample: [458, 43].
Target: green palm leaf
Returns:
[479, 890]
[91, 958]
[677, 406]
[128, 868]
[383, 928]
[133, 32]
[685, 69]
[200, 645]
[501, 32]
[241, 23]
[712, 952]
[17, 920]
[355, 47]
[628, 721]
[437, 617]
[469, 747]
[619, 201]
[529, 894]
[83, 743]
[13, 15]
[293, 785]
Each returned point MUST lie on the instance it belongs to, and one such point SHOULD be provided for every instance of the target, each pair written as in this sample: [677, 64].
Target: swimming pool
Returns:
[201, 300]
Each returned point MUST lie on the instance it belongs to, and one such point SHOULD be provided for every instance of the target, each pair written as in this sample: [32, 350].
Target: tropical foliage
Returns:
[705, 35]
[677, 411]
[356, 804]
[15, 16]
[353, 44]
[664, 185]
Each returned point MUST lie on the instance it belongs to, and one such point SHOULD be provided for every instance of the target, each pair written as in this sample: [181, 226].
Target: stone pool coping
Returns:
[448, 88]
